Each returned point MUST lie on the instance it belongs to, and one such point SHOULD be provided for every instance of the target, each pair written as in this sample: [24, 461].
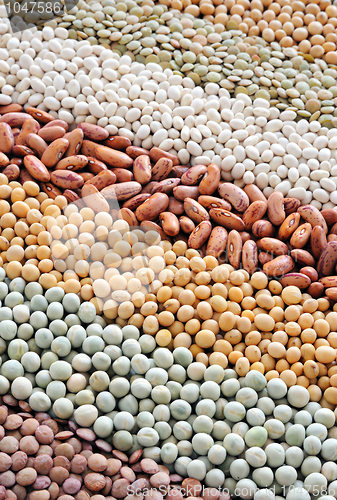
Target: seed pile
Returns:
[168, 252]
[202, 51]
[249, 142]
[42, 458]
[183, 435]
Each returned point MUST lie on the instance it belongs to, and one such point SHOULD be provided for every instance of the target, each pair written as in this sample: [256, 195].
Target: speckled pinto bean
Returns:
[234, 248]
[117, 142]
[22, 151]
[250, 256]
[272, 245]
[28, 127]
[170, 223]
[51, 190]
[327, 261]
[36, 143]
[94, 199]
[15, 119]
[36, 168]
[113, 158]
[157, 153]
[331, 293]
[195, 211]
[123, 175]
[282, 264]
[136, 201]
[4, 160]
[16, 132]
[6, 138]
[210, 181]
[290, 205]
[95, 166]
[265, 257]
[312, 215]
[200, 234]
[263, 229]
[54, 152]
[151, 208]
[234, 195]
[75, 139]
[103, 179]
[10, 108]
[135, 151]
[128, 216]
[150, 187]
[186, 224]
[50, 134]
[89, 148]
[288, 226]
[41, 116]
[75, 162]
[122, 191]
[302, 257]
[226, 219]
[254, 193]
[328, 281]
[175, 206]
[93, 132]
[178, 171]
[183, 192]
[212, 202]
[301, 236]
[254, 212]
[296, 279]
[217, 241]
[166, 186]
[276, 213]
[66, 179]
[193, 175]
[142, 169]
[12, 172]
[161, 169]
[329, 214]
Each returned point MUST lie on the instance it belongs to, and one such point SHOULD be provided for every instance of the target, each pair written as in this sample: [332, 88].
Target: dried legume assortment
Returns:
[44, 458]
[251, 141]
[168, 252]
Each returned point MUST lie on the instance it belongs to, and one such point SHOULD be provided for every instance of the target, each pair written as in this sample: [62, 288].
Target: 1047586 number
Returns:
[39, 7]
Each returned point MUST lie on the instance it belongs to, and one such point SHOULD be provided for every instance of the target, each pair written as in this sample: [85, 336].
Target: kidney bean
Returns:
[234, 248]
[161, 169]
[186, 224]
[316, 290]
[312, 215]
[118, 142]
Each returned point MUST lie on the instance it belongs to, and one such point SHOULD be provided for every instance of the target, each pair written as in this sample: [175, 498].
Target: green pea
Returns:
[38, 320]
[17, 348]
[13, 299]
[3, 290]
[87, 312]
[56, 389]
[103, 427]
[8, 329]
[58, 327]
[76, 334]
[39, 303]
[31, 290]
[54, 294]
[12, 369]
[30, 361]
